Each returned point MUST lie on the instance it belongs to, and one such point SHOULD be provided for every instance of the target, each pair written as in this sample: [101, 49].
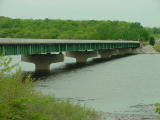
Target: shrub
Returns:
[18, 100]
[157, 108]
[152, 41]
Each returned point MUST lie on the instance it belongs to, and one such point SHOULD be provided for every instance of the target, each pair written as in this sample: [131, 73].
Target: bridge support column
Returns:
[42, 61]
[81, 56]
[108, 53]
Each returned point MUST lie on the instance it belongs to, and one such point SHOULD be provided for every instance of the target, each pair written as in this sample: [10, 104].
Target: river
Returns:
[106, 86]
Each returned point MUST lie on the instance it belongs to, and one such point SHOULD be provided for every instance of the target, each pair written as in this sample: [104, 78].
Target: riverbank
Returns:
[148, 49]
[19, 100]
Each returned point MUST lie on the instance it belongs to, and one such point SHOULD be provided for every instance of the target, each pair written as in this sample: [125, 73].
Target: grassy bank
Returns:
[18, 101]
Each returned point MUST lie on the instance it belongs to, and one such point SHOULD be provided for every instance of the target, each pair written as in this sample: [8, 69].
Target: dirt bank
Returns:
[148, 49]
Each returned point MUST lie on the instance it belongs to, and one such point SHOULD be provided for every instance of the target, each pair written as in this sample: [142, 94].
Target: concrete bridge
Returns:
[43, 52]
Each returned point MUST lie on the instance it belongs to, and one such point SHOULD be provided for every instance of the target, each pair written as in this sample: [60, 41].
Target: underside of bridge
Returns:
[82, 56]
[42, 61]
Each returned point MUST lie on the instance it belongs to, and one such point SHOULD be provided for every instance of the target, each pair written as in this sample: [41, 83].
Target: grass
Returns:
[18, 101]
[157, 47]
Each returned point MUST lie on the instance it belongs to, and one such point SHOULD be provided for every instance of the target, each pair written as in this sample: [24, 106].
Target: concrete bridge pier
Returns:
[81, 56]
[42, 61]
[108, 53]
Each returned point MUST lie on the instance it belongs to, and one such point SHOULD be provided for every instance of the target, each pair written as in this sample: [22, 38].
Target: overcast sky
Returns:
[146, 12]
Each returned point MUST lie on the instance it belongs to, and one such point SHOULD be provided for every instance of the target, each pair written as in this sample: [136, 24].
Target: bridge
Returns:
[43, 52]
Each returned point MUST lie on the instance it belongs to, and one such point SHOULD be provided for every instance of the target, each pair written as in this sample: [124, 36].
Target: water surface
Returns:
[106, 86]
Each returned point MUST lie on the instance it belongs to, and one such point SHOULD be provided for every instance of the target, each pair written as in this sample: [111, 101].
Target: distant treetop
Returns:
[72, 29]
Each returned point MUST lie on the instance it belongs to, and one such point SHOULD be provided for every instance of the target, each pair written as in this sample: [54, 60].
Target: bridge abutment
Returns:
[81, 56]
[42, 61]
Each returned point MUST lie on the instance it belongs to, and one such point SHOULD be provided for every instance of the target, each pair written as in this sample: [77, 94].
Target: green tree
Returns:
[152, 41]
[74, 29]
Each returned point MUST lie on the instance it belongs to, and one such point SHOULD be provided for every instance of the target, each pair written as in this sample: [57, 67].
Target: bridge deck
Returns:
[9, 46]
[56, 41]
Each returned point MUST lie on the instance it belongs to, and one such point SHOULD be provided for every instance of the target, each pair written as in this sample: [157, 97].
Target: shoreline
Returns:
[148, 49]
[136, 112]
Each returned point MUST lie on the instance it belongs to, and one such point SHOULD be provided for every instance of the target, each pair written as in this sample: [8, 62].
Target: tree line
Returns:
[155, 32]
[72, 29]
